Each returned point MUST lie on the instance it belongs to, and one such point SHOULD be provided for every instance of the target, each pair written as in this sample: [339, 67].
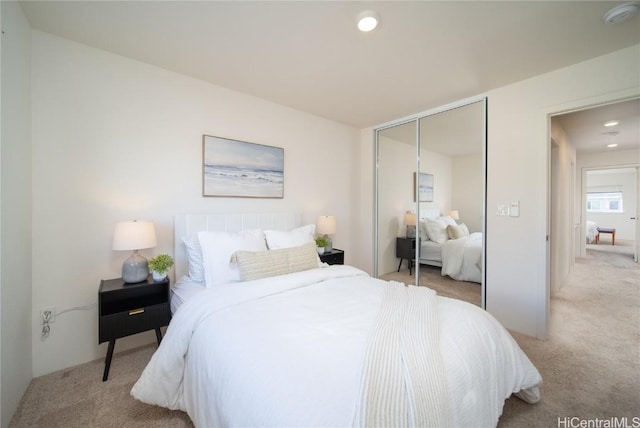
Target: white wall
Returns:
[115, 139]
[518, 170]
[468, 191]
[622, 222]
[364, 180]
[562, 246]
[397, 161]
[15, 226]
[441, 167]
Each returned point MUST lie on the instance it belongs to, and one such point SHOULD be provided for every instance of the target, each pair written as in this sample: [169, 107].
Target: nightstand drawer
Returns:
[133, 321]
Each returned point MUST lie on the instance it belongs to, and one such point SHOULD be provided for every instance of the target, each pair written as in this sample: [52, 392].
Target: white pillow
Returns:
[277, 239]
[263, 264]
[194, 255]
[457, 231]
[436, 230]
[423, 231]
[217, 249]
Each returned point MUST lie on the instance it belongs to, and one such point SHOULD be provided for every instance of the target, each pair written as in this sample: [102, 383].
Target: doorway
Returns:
[611, 210]
[593, 182]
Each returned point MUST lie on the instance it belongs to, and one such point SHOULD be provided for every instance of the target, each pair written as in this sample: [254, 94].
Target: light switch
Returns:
[514, 209]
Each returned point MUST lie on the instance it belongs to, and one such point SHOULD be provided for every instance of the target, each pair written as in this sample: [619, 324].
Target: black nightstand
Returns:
[406, 250]
[126, 309]
[333, 257]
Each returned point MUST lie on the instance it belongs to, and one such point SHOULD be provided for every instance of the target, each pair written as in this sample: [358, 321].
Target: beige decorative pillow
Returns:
[457, 231]
[263, 264]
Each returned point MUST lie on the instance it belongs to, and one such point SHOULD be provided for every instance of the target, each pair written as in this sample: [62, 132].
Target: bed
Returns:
[591, 231]
[449, 245]
[325, 345]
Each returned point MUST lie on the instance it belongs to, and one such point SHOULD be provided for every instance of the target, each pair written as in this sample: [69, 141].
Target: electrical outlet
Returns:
[48, 315]
[503, 209]
[46, 328]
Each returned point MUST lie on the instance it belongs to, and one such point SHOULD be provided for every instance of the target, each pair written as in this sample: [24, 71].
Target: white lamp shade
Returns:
[326, 225]
[134, 235]
[410, 219]
[454, 214]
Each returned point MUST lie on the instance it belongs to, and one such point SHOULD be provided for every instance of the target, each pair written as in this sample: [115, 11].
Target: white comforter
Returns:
[462, 258]
[292, 351]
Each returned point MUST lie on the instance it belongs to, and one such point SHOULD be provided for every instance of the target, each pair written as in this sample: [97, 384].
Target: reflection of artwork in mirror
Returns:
[237, 168]
[425, 187]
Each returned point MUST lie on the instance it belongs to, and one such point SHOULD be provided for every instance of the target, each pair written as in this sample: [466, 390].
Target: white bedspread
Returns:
[462, 258]
[290, 351]
[592, 231]
[403, 381]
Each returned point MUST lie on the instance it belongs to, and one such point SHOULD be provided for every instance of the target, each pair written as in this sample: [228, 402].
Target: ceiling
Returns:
[455, 132]
[458, 132]
[308, 55]
[587, 132]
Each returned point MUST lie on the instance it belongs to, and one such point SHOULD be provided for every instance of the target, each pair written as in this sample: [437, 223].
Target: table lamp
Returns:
[326, 225]
[410, 220]
[134, 235]
[454, 214]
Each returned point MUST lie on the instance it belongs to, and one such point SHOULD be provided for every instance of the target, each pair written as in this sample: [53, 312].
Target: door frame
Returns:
[544, 294]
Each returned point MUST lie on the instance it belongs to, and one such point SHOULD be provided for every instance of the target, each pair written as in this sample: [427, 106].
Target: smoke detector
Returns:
[621, 12]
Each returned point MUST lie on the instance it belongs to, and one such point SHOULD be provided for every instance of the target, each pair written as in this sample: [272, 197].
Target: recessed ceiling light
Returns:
[611, 123]
[621, 12]
[612, 145]
[367, 20]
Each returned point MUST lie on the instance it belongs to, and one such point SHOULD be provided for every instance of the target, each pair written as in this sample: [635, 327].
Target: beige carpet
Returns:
[77, 397]
[590, 365]
[591, 362]
[431, 277]
[621, 247]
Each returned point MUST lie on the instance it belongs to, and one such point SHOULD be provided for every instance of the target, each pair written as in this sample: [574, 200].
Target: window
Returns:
[604, 202]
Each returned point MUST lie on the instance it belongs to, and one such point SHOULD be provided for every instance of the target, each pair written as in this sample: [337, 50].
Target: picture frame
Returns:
[424, 182]
[233, 168]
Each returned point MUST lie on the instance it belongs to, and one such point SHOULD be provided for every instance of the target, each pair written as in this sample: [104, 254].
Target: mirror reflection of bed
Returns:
[451, 265]
[450, 147]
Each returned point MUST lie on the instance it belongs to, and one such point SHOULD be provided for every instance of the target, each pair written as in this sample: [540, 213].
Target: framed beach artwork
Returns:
[425, 187]
[234, 168]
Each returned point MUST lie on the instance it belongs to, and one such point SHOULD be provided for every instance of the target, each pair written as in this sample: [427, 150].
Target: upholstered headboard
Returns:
[186, 225]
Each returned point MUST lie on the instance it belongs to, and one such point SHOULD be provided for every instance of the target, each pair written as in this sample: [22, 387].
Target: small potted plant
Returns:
[321, 242]
[159, 266]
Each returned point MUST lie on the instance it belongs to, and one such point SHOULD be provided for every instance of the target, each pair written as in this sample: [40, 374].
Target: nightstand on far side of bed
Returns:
[406, 250]
[333, 257]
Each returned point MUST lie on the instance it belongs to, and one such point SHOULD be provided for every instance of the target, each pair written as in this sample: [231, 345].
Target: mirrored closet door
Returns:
[430, 200]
